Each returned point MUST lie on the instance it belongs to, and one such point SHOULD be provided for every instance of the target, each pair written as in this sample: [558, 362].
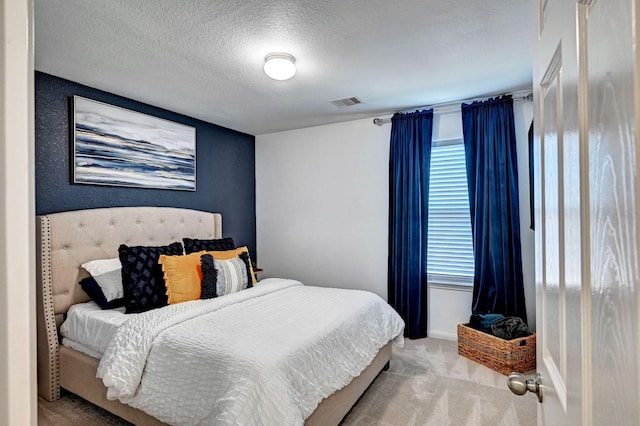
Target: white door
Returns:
[586, 92]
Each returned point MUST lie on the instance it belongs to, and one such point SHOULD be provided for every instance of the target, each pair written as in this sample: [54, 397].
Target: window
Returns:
[450, 246]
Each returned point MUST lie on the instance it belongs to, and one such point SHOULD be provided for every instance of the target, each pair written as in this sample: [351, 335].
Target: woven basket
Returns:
[503, 356]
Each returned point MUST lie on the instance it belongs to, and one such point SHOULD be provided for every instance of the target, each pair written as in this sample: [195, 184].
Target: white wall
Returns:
[523, 114]
[322, 196]
[322, 205]
[17, 247]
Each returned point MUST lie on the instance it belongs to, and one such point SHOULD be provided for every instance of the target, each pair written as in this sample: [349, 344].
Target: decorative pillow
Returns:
[93, 290]
[182, 277]
[225, 277]
[142, 280]
[108, 275]
[192, 245]
[242, 252]
[231, 275]
[209, 277]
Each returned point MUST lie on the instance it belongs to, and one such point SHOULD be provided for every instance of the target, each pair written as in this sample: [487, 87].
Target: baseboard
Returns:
[443, 335]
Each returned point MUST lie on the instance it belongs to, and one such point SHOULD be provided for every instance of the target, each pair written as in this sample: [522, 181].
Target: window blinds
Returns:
[450, 247]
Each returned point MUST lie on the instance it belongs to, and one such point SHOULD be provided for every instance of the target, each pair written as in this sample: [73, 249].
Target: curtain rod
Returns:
[523, 95]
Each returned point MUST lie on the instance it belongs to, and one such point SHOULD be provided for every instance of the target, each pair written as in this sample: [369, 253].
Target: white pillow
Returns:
[108, 275]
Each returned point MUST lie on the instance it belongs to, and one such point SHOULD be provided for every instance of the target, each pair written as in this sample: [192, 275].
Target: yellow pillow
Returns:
[230, 254]
[182, 277]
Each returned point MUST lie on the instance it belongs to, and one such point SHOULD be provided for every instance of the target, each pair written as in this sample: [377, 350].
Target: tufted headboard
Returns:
[68, 239]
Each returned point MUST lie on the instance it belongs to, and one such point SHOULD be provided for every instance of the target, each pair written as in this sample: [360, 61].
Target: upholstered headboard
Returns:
[68, 239]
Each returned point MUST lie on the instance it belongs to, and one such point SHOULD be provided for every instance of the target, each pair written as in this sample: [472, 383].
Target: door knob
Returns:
[519, 384]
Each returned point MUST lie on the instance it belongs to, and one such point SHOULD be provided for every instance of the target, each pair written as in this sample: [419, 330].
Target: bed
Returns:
[66, 240]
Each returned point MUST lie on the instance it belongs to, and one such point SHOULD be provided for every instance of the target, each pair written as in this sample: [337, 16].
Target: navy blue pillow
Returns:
[93, 290]
[209, 277]
[192, 245]
[142, 278]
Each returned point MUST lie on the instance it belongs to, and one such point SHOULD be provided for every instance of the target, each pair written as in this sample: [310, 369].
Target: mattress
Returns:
[88, 328]
[262, 356]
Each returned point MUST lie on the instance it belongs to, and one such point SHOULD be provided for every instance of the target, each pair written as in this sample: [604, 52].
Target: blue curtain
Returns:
[410, 154]
[492, 176]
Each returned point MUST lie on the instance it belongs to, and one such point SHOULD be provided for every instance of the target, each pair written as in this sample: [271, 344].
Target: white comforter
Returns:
[265, 355]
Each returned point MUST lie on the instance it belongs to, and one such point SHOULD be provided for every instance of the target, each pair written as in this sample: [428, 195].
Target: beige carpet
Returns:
[428, 384]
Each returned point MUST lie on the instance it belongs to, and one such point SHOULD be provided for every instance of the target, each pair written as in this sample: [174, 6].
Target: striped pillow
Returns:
[224, 276]
[231, 275]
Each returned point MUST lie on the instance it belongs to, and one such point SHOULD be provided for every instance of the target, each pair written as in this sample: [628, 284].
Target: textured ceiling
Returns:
[204, 58]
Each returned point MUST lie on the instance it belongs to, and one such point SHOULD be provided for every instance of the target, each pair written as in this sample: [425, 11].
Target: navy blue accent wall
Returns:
[225, 164]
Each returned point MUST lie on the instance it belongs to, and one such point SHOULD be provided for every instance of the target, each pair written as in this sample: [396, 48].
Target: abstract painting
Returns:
[117, 146]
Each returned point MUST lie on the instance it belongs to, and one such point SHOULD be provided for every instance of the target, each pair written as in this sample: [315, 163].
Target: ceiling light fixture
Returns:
[280, 66]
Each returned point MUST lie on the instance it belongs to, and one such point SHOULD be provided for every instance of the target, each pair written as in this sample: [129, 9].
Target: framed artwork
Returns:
[119, 147]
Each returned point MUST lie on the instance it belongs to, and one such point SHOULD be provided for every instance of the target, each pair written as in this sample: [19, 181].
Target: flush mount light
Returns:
[279, 66]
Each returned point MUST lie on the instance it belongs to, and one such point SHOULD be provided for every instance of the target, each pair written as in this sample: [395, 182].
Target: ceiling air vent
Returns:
[346, 102]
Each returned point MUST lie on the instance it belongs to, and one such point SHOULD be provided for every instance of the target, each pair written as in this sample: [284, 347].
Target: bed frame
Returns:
[68, 239]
